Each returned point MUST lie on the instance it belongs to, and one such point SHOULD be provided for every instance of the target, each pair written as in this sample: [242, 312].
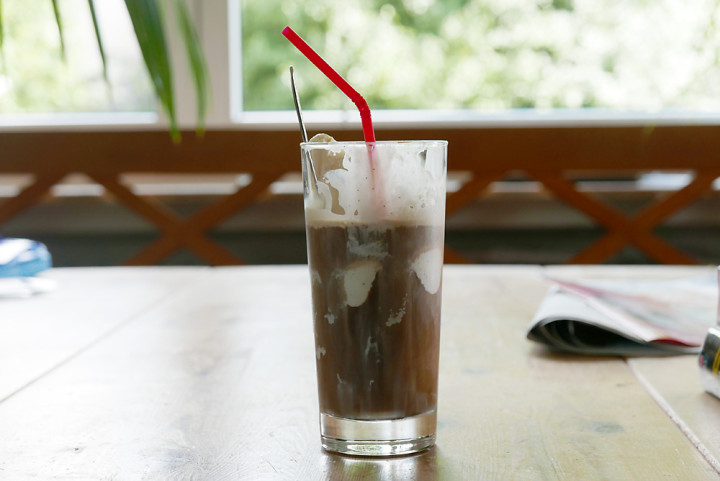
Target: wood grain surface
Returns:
[39, 334]
[209, 374]
[674, 384]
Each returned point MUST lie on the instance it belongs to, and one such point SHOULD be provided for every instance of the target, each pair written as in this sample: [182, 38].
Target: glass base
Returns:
[387, 437]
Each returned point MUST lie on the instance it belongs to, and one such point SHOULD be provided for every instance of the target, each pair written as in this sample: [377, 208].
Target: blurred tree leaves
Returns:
[487, 54]
[484, 55]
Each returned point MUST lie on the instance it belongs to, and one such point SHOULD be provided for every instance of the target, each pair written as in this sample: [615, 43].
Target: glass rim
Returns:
[377, 142]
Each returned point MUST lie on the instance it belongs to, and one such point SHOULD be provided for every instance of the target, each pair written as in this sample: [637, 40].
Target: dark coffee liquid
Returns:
[377, 325]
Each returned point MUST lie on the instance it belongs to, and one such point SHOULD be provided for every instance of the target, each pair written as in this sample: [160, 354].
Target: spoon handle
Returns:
[297, 105]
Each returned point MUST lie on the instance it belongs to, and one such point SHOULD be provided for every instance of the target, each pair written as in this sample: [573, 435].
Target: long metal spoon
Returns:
[303, 132]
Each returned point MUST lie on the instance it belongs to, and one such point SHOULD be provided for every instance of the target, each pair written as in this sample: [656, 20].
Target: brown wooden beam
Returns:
[621, 230]
[481, 149]
[29, 196]
[469, 191]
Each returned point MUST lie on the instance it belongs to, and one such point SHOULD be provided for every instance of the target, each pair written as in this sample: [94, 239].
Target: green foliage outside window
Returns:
[487, 54]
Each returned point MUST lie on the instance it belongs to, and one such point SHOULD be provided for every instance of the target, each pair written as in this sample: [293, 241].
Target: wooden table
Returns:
[208, 373]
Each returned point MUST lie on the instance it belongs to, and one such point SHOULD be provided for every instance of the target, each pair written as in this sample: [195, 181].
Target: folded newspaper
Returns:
[626, 316]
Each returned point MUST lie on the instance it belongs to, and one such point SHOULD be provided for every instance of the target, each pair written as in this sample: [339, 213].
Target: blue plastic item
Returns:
[23, 257]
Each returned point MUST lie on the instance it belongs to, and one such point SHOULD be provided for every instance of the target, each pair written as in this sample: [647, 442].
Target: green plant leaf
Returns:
[196, 61]
[58, 21]
[2, 32]
[2, 39]
[147, 21]
[101, 49]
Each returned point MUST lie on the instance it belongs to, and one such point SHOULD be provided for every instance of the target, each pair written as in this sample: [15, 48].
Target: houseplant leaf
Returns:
[147, 21]
[196, 61]
[2, 32]
[2, 39]
[58, 21]
[101, 49]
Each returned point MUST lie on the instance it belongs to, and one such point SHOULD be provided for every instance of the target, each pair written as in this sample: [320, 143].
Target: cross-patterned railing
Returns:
[547, 155]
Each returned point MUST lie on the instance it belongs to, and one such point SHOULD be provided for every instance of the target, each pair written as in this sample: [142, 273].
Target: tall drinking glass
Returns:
[375, 222]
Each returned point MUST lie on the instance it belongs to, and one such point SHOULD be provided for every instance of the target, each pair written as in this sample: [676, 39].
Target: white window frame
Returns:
[219, 29]
[342, 119]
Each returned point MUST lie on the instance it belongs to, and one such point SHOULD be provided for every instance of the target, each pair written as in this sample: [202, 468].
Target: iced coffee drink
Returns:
[375, 231]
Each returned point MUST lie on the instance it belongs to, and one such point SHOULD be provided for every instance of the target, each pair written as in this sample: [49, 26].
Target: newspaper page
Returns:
[626, 316]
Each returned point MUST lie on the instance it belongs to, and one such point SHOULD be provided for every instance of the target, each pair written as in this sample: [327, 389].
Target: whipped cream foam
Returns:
[384, 181]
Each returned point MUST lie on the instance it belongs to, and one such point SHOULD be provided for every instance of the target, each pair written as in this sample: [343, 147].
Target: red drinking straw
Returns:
[335, 77]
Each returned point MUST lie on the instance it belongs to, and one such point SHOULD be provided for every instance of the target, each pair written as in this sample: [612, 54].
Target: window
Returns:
[35, 81]
[456, 60]
[489, 56]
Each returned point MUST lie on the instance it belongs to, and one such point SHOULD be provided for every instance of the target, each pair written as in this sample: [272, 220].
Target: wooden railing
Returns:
[552, 156]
